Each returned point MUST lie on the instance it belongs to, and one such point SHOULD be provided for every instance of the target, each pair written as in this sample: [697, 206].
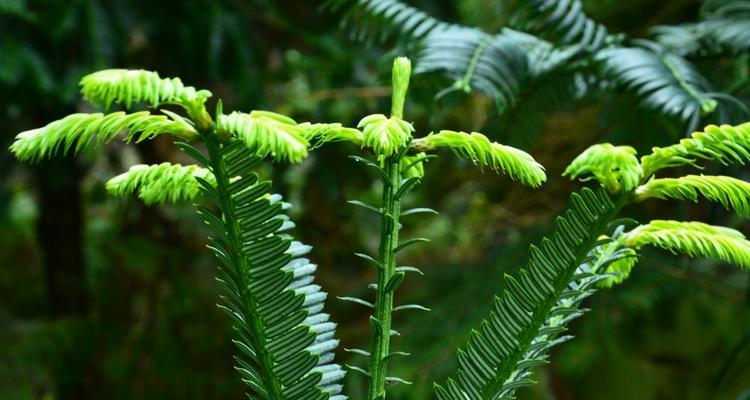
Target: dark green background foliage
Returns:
[109, 298]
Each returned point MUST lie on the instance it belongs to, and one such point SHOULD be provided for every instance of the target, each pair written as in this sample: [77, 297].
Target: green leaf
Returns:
[730, 192]
[320, 134]
[394, 282]
[125, 86]
[357, 301]
[162, 183]
[407, 243]
[286, 341]
[615, 167]
[692, 238]
[664, 82]
[78, 132]
[385, 136]
[476, 147]
[619, 269]
[376, 327]
[535, 305]
[564, 22]
[266, 134]
[726, 144]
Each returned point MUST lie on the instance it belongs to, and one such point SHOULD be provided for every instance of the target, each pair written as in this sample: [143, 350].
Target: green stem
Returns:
[381, 335]
[241, 263]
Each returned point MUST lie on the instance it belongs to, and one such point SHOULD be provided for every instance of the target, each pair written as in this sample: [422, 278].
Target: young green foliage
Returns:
[285, 341]
[78, 132]
[399, 163]
[731, 193]
[695, 239]
[476, 147]
[267, 134]
[725, 144]
[591, 248]
[162, 183]
[616, 167]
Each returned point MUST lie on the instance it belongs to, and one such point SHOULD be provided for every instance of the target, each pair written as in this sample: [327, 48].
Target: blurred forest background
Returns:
[109, 298]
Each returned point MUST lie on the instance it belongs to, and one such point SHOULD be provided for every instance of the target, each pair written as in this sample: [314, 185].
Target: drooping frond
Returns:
[725, 143]
[102, 88]
[724, 28]
[77, 132]
[492, 64]
[563, 22]
[162, 183]
[732, 193]
[692, 238]
[615, 167]
[384, 135]
[535, 306]
[664, 82]
[476, 147]
[284, 339]
[319, 134]
[384, 18]
[266, 134]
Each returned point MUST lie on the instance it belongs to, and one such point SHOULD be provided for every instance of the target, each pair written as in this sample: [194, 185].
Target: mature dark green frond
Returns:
[78, 132]
[716, 36]
[535, 306]
[285, 341]
[724, 28]
[726, 144]
[664, 82]
[384, 18]
[492, 64]
[725, 9]
[561, 21]
[162, 183]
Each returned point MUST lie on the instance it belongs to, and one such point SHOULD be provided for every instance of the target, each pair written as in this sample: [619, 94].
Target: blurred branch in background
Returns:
[140, 288]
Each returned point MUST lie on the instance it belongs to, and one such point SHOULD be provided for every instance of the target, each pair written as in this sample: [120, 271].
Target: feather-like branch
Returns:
[102, 88]
[162, 183]
[78, 132]
[726, 144]
[692, 238]
[732, 193]
[319, 134]
[476, 147]
[664, 82]
[266, 134]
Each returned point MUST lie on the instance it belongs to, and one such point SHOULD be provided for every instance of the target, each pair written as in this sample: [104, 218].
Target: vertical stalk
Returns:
[389, 226]
[384, 299]
[242, 267]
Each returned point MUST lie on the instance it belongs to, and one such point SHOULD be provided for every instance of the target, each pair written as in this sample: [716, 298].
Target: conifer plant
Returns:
[593, 248]
[285, 342]
[399, 160]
